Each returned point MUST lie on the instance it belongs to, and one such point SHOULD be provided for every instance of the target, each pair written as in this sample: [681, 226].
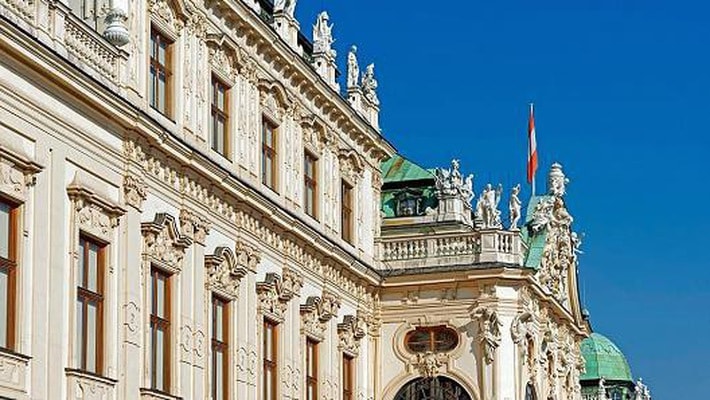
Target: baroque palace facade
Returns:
[191, 207]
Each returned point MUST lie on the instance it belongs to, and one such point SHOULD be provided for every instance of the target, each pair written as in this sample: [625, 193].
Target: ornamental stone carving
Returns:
[514, 207]
[248, 257]
[194, 226]
[163, 244]
[450, 183]
[369, 85]
[351, 165]
[350, 331]
[353, 69]
[317, 312]
[487, 207]
[276, 291]
[428, 364]
[488, 331]
[224, 272]
[135, 191]
[93, 213]
[323, 35]
[16, 175]
[164, 15]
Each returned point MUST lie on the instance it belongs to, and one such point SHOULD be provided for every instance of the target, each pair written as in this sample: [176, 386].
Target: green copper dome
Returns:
[603, 359]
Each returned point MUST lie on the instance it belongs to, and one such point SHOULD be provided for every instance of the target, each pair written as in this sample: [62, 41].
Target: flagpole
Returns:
[530, 153]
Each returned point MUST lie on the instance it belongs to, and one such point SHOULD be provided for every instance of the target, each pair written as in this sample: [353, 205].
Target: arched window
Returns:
[437, 388]
[436, 339]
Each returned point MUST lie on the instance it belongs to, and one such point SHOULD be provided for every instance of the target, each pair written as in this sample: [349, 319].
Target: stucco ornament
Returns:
[353, 68]
[350, 331]
[194, 226]
[489, 331]
[317, 312]
[135, 191]
[116, 31]
[514, 207]
[369, 84]
[163, 243]
[323, 35]
[487, 207]
[561, 244]
[450, 182]
[429, 364]
[224, 272]
[94, 214]
[276, 291]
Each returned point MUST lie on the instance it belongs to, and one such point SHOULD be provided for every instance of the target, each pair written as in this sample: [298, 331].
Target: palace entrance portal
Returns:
[437, 388]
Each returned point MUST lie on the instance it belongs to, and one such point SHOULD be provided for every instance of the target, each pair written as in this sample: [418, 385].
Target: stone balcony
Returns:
[415, 250]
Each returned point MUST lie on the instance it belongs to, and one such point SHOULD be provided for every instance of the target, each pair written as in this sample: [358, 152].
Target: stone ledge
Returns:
[14, 369]
[87, 386]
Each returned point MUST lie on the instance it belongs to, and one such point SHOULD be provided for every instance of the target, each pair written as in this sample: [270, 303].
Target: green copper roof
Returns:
[604, 360]
[399, 169]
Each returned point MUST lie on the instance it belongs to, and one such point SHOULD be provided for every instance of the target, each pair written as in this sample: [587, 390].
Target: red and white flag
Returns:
[532, 148]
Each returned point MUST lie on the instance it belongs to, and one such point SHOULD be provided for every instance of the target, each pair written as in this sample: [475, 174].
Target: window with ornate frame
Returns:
[348, 380]
[346, 211]
[270, 337]
[436, 339]
[9, 238]
[269, 155]
[311, 369]
[220, 348]
[160, 77]
[310, 184]
[90, 305]
[160, 330]
[219, 128]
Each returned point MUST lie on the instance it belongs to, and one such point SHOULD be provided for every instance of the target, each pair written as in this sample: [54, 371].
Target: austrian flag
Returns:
[532, 148]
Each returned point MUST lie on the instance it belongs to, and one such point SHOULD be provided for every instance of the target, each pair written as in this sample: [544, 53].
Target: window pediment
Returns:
[163, 244]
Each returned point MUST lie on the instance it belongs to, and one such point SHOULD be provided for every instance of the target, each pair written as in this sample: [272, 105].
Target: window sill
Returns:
[79, 382]
[15, 370]
[153, 394]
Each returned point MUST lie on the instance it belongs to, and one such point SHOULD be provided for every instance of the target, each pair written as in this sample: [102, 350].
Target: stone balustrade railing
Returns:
[52, 23]
[417, 250]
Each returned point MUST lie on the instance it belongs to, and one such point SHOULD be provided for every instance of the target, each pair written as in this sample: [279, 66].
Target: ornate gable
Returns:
[350, 331]
[224, 273]
[163, 244]
[276, 291]
[317, 312]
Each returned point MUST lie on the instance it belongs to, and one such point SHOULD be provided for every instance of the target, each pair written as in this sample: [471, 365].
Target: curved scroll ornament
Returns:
[489, 332]
[276, 291]
[352, 165]
[350, 331]
[163, 243]
[224, 273]
[317, 312]
[94, 214]
[194, 226]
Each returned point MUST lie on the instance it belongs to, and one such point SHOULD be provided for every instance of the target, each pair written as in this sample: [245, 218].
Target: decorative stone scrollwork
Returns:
[488, 331]
[274, 99]
[428, 364]
[350, 331]
[16, 176]
[352, 165]
[94, 214]
[275, 292]
[316, 312]
[135, 191]
[224, 272]
[223, 59]
[166, 16]
[194, 226]
[248, 257]
[163, 244]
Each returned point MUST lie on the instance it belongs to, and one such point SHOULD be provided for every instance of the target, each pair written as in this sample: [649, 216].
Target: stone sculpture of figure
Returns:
[487, 206]
[514, 206]
[353, 68]
[467, 189]
[369, 84]
[557, 181]
[288, 6]
[323, 35]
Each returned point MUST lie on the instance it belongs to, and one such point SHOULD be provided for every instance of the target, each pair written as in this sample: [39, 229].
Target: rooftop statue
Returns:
[369, 84]
[450, 182]
[487, 207]
[323, 35]
[556, 181]
[353, 68]
[287, 6]
[514, 207]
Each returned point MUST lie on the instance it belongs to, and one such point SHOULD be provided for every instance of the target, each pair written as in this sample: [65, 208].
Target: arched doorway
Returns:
[437, 388]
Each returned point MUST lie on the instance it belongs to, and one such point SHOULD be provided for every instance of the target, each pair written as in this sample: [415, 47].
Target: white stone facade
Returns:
[82, 153]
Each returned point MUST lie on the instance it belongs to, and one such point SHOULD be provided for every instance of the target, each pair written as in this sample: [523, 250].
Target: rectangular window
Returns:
[160, 74]
[160, 330]
[270, 360]
[9, 237]
[347, 377]
[311, 370]
[346, 213]
[89, 306]
[268, 154]
[310, 184]
[219, 129]
[220, 349]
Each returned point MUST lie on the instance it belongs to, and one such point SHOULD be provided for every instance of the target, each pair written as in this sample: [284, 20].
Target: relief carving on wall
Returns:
[163, 244]
[274, 99]
[93, 213]
[135, 191]
[488, 331]
[317, 312]
[350, 331]
[352, 165]
[16, 176]
[224, 272]
[166, 16]
[276, 291]
[429, 363]
[194, 226]
[131, 318]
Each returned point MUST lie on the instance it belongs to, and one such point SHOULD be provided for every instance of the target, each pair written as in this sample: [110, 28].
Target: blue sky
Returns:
[622, 94]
